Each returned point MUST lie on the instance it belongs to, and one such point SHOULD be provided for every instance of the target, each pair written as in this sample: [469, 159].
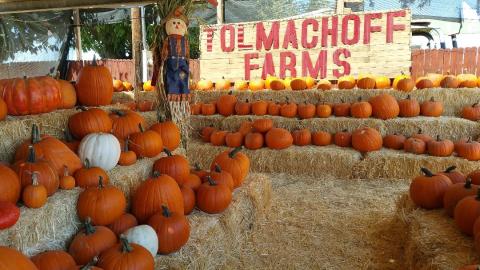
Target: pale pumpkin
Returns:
[101, 149]
[145, 236]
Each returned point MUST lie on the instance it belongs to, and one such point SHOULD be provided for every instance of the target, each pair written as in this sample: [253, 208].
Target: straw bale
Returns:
[143, 95]
[446, 127]
[432, 239]
[123, 97]
[216, 240]
[47, 228]
[307, 160]
[328, 223]
[399, 164]
[454, 99]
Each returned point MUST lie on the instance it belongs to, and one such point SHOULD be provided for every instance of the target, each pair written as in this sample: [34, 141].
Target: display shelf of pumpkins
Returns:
[440, 214]
[143, 101]
[382, 112]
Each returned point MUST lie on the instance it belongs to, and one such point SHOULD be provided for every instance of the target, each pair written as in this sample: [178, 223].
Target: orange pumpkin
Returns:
[403, 83]
[205, 85]
[366, 82]
[118, 85]
[175, 166]
[14, 260]
[188, 195]
[277, 85]
[424, 82]
[324, 85]
[94, 85]
[427, 190]
[146, 143]
[54, 260]
[169, 132]
[256, 85]
[278, 138]
[3, 109]
[382, 82]
[298, 84]
[69, 96]
[346, 82]
[235, 162]
[343, 138]
[321, 138]
[467, 80]
[240, 85]
[384, 106]
[172, 228]
[306, 111]
[449, 81]
[125, 123]
[222, 85]
[302, 137]
[436, 78]
[366, 140]
[147, 86]
[254, 141]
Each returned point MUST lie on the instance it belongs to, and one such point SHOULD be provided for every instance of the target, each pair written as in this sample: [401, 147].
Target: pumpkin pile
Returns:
[262, 133]
[383, 106]
[402, 82]
[453, 191]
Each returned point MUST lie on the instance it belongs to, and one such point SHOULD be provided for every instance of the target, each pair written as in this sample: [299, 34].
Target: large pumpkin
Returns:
[9, 185]
[366, 140]
[125, 122]
[51, 150]
[213, 197]
[89, 121]
[146, 143]
[384, 106]
[172, 228]
[278, 138]
[169, 132]
[145, 236]
[90, 242]
[226, 104]
[403, 83]
[54, 260]
[409, 107]
[88, 176]
[3, 109]
[9, 214]
[456, 193]
[466, 212]
[46, 175]
[11, 259]
[103, 204]
[155, 192]
[126, 256]
[36, 95]
[176, 166]
[69, 96]
[101, 149]
[234, 162]
[94, 85]
[427, 190]
[471, 112]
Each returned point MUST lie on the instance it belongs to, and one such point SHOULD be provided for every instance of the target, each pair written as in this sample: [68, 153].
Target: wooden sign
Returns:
[327, 47]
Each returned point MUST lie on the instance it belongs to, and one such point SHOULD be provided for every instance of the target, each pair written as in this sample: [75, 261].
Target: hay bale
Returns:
[454, 99]
[47, 228]
[446, 127]
[123, 97]
[328, 223]
[399, 164]
[432, 239]
[216, 240]
[307, 160]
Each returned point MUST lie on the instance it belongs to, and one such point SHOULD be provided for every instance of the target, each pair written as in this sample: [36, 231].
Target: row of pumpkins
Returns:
[383, 106]
[25, 96]
[402, 83]
[458, 194]
[112, 239]
[261, 132]
[126, 86]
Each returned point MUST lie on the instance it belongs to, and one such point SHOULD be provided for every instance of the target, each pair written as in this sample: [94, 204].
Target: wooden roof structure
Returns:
[18, 6]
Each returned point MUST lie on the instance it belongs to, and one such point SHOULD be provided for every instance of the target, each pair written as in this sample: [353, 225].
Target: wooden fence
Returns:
[453, 61]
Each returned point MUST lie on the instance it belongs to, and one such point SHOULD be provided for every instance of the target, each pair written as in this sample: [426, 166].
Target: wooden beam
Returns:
[340, 6]
[78, 34]
[17, 6]
[220, 12]
[137, 46]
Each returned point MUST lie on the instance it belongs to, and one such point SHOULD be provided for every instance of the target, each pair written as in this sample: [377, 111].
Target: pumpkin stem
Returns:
[478, 195]
[230, 93]
[168, 152]
[438, 138]
[86, 163]
[94, 63]
[246, 101]
[31, 158]
[68, 136]
[409, 97]
[141, 127]
[197, 167]
[89, 229]
[125, 145]
[475, 104]
[82, 108]
[89, 265]
[432, 99]
[165, 211]
[218, 169]
[156, 174]
[359, 99]
[450, 169]
[234, 152]
[126, 247]
[427, 172]
[211, 182]
[468, 183]
[100, 182]
[119, 112]
[35, 134]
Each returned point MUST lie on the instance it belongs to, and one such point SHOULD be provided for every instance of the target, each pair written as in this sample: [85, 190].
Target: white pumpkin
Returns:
[144, 236]
[101, 149]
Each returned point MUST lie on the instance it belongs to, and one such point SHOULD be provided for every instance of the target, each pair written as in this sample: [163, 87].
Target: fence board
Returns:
[470, 60]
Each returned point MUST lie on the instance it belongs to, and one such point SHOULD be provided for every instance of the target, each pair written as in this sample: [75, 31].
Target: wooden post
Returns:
[137, 46]
[220, 12]
[340, 6]
[78, 34]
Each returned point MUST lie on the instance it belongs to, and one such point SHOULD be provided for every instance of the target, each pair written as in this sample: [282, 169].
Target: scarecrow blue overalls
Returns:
[176, 66]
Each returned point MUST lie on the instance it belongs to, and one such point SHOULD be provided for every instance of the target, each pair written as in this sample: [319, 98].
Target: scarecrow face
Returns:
[176, 27]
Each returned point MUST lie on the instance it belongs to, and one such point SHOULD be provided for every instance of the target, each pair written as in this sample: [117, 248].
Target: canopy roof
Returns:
[16, 6]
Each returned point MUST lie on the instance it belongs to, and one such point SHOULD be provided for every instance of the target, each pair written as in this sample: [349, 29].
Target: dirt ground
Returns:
[329, 224]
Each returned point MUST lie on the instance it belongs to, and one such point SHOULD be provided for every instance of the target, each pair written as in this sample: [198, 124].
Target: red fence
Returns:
[454, 61]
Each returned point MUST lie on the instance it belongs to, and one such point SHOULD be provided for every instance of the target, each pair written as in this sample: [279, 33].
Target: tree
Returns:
[407, 3]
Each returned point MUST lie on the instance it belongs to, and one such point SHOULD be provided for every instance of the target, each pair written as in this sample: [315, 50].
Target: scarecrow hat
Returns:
[178, 13]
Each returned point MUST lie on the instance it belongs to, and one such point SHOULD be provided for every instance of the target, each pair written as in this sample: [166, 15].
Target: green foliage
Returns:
[109, 40]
